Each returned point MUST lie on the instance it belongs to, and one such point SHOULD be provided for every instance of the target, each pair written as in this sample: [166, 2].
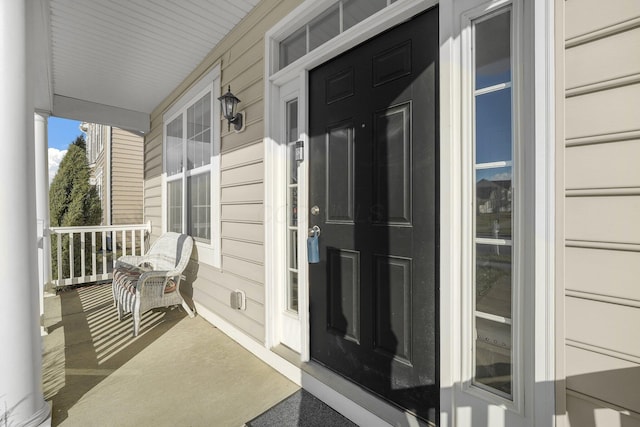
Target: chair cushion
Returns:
[125, 281]
[170, 286]
[127, 277]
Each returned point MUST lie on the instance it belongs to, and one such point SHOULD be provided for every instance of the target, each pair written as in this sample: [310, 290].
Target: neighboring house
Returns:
[472, 170]
[115, 158]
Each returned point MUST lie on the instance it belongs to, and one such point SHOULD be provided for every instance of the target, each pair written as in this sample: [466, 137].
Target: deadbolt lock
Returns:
[315, 210]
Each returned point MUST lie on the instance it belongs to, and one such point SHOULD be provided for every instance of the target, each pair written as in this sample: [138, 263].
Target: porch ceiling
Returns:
[118, 59]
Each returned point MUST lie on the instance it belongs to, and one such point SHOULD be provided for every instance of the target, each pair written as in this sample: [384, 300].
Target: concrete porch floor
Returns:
[177, 372]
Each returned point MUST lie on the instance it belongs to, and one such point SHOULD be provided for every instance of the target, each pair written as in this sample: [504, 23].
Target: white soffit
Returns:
[130, 54]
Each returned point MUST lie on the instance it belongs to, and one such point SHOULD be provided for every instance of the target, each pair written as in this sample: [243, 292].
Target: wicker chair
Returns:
[141, 283]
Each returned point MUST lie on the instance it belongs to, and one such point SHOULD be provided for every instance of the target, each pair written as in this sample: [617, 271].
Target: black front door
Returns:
[374, 178]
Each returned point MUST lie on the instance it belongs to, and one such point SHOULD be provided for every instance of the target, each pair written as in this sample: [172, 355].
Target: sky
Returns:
[61, 133]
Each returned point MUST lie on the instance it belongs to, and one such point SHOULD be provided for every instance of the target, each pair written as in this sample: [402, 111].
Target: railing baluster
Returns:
[94, 249]
[114, 248]
[141, 242]
[71, 256]
[124, 242]
[104, 252]
[83, 251]
[59, 258]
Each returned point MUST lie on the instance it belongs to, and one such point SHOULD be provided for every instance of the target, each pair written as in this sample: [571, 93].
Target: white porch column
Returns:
[42, 207]
[21, 399]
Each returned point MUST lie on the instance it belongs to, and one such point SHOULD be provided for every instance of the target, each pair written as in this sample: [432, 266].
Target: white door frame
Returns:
[274, 177]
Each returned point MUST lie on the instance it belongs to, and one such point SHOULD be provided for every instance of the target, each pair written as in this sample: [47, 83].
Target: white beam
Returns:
[21, 398]
[87, 111]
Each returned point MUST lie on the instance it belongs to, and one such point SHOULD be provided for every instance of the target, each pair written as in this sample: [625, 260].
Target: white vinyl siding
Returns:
[126, 177]
[601, 301]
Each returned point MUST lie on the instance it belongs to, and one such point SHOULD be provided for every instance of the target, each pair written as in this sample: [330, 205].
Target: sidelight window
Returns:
[494, 232]
[292, 206]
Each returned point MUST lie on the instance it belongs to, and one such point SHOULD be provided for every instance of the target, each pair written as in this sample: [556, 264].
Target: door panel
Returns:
[373, 174]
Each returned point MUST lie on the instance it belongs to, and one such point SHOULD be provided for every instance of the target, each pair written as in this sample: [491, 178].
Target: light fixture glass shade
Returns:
[228, 102]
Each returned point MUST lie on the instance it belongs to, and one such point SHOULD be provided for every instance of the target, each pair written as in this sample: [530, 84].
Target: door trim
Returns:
[390, 16]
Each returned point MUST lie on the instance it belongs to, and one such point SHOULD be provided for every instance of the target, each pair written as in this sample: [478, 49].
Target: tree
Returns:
[73, 201]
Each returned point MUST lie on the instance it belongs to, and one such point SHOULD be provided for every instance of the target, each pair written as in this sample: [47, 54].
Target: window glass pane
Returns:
[292, 120]
[355, 11]
[174, 147]
[493, 279]
[493, 355]
[199, 204]
[493, 127]
[324, 28]
[293, 206]
[174, 206]
[494, 203]
[493, 143]
[292, 297]
[493, 50]
[293, 164]
[293, 249]
[292, 136]
[293, 47]
[199, 133]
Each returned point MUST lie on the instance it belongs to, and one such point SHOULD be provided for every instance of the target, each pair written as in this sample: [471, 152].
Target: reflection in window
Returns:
[292, 206]
[336, 19]
[324, 27]
[200, 207]
[174, 206]
[493, 216]
[173, 157]
[493, 50]
[199, 133]
[355, 11]
[493, 126]
[189, 148]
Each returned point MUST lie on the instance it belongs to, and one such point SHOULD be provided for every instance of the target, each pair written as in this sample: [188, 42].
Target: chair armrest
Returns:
[154, 282]
[132, 260]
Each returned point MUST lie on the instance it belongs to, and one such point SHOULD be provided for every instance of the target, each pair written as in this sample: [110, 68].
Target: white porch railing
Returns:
[99, 247]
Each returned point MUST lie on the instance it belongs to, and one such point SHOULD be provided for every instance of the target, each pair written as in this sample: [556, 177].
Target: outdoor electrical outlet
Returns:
[238, 300]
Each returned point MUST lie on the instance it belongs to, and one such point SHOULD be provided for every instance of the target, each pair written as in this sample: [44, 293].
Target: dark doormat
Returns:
[301, 409]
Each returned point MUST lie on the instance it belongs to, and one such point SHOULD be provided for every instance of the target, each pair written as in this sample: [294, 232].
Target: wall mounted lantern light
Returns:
[229, 102]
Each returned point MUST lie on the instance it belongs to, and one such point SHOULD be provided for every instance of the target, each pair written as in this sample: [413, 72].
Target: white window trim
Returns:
[520, 187]
[208, 253]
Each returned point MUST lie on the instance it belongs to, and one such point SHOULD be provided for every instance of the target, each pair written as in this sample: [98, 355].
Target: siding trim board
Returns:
[606, 85]
[592, 244]
[603, 404]
[602, 350]
[602, 33]
[603, 298]
[602, 139]
[603, 192]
